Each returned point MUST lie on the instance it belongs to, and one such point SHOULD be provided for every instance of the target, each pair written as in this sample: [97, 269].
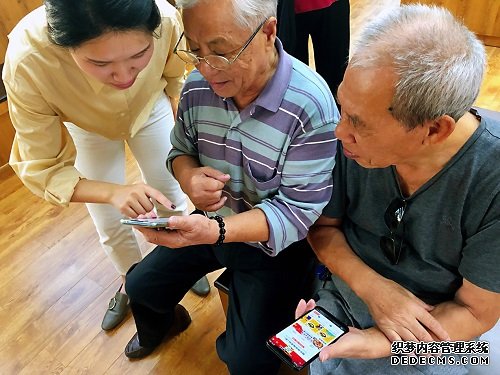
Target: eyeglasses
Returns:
[392, 245]
[214, 61]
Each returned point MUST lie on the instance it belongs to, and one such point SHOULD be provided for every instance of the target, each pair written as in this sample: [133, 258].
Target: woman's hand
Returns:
[130, 200]
[137, 199]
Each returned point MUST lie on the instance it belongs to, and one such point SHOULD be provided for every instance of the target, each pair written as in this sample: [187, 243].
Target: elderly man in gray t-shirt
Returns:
[412, 232]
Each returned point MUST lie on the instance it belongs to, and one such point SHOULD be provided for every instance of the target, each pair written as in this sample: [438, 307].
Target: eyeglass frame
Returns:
[229, 62]
[393, 254]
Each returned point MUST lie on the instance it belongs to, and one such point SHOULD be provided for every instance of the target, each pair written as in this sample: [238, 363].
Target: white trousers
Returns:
[102, 159]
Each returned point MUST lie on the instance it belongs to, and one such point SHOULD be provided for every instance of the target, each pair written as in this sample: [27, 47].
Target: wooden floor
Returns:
[56, 281]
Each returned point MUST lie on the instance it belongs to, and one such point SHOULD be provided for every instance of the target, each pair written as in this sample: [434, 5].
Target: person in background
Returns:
[82, 79]
[253, 148]
[411, 234]
[327, 22]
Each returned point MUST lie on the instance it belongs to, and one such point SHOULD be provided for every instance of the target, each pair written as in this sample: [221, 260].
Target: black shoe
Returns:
[135, 350]
[201, 287]
[182, 320]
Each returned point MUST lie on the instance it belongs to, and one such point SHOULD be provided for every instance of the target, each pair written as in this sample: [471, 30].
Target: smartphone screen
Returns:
[159, 222]
[300, 343]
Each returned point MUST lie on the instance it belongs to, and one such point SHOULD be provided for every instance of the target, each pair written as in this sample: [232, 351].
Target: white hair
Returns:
[439, 63]
[248, 14]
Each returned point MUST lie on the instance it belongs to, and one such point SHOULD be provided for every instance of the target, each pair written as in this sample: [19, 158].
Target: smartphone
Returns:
[159, 222]
[300, 343]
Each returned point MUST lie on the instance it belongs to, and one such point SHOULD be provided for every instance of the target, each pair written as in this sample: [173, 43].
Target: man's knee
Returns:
[135, 283]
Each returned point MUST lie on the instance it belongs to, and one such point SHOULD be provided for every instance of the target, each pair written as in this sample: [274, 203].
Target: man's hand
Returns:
[367, 343]
[304, 307]
[134, 200]
[400, 315]
[184, 231]
[397, 312]
[357, 343]
[204, 188]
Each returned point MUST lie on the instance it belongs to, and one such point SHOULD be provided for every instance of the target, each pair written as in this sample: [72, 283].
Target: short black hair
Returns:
[72, 23]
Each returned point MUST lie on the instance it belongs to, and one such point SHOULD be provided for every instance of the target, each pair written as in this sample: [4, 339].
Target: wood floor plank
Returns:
[28, 295]
[101, 352]
[71, 341]
[9, 183]
[26, 243]
[40, 351]
[105, 276]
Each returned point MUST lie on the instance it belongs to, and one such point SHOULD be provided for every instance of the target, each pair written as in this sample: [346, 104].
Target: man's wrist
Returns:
[221, 229]
[380, 345]
[363, 286]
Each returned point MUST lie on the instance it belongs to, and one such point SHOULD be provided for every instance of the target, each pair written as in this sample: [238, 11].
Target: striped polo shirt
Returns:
[279, 150]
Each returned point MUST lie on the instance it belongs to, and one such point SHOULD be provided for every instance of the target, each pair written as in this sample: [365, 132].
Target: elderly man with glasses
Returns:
[412, 232]
[253, 148]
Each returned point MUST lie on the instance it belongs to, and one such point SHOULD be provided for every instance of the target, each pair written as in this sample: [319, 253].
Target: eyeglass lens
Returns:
[392, 245]
[214, 61]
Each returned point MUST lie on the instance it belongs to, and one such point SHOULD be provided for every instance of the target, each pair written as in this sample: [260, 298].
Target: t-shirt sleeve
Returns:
[338, 202]
[481, 253]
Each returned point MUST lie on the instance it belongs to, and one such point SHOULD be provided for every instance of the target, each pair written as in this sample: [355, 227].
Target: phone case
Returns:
[311, 333]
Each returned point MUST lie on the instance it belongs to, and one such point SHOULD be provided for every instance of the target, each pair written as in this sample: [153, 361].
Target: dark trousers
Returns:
[329, 30]
[263, 294]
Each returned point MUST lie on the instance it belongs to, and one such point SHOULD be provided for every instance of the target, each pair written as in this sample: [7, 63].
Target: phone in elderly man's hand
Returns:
[300, 343]
[159, 222]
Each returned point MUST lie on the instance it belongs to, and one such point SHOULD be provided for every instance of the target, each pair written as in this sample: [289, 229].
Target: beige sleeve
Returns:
[174, 70]
[43, 152]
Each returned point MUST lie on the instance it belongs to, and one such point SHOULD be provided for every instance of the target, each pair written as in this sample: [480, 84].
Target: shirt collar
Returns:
[271, 97]
[94, 83]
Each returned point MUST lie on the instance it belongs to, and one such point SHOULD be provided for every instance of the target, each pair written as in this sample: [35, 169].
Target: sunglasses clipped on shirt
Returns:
[392, 245]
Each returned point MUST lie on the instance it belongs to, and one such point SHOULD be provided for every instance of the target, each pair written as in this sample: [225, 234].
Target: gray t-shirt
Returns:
[451, 224]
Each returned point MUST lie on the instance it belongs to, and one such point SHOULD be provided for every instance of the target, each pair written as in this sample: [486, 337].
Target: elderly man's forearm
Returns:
[331, 248]
[460, 322]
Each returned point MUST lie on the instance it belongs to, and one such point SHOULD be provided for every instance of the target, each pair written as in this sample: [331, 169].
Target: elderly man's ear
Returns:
[270, 29]
[438, 130]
